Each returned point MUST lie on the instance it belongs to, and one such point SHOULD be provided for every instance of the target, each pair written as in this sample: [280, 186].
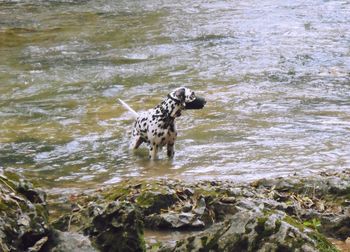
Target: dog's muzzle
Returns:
[198, 103]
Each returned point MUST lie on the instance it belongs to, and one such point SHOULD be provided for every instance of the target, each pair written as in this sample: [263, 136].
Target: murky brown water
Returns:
[276, 75]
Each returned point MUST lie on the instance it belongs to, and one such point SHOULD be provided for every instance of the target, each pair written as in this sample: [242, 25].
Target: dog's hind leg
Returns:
[170, 150]
[153, 151]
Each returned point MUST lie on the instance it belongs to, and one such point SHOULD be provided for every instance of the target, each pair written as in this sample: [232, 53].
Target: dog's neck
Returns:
[170, 107]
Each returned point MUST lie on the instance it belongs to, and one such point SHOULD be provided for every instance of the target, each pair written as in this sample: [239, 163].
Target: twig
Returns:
[3, 181]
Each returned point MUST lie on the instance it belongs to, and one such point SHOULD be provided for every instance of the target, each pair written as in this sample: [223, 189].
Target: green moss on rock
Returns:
[322, 244]
[153, 202]
[292, 221]
[23, 220]
[116, 193]
[118, 227]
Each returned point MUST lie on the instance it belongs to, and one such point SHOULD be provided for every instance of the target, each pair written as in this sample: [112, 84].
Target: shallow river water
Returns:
[276, 76]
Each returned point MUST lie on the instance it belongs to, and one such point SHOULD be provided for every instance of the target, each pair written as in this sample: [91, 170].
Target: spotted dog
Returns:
[156, 127]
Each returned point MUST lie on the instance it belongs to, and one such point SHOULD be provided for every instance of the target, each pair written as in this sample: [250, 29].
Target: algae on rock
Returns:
[118, 227]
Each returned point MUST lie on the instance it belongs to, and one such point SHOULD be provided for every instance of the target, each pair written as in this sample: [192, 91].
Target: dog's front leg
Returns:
[170, 150]
[153, 151]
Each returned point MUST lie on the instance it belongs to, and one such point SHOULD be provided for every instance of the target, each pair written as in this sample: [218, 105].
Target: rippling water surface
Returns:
[276, 75]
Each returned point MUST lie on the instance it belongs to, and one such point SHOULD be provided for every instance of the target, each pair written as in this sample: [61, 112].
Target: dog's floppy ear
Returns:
[180, 94]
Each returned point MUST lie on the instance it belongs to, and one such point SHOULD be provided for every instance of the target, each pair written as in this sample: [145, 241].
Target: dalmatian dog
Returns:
[156, 127]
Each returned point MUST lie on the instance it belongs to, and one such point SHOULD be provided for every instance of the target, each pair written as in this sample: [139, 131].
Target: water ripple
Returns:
[275, 74]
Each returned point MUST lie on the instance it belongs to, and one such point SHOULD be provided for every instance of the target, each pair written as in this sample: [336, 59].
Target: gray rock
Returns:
[200, 207]
[23, 215]
[253, 231]
[189, 191]
[153, 202]
[187, 207]
[337, 226]
[118, 227]
[339, 186]
[72, 242]
[235, 192]
[173, 220]
[222, 210]
[248, 204]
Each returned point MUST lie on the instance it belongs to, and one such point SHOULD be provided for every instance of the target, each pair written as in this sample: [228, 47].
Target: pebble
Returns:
[228, 200]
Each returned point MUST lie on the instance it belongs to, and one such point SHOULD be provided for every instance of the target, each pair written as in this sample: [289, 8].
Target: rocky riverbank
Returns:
[283, 214]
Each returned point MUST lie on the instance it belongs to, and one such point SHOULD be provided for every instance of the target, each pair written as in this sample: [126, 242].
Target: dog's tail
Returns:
[134, 113]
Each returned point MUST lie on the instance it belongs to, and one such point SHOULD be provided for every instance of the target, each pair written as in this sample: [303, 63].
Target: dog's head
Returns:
[187, 98]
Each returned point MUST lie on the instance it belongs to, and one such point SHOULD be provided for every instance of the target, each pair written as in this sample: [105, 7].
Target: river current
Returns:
[276, 76]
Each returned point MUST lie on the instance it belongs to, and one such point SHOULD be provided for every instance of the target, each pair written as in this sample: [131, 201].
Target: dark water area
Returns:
[276, 76]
